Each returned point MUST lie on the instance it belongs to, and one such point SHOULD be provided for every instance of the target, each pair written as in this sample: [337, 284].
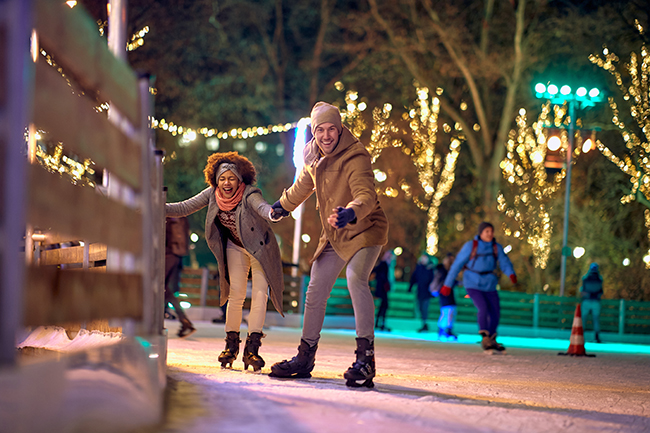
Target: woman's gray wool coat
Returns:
[252, 216]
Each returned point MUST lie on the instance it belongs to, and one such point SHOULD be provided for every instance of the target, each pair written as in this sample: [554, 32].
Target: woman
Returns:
[241, 239]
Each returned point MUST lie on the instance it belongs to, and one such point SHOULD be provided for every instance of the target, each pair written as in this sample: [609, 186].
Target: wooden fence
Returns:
[517, 309]
[112, 266]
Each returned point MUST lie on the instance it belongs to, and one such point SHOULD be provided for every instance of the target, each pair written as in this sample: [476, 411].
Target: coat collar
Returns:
[312, 152]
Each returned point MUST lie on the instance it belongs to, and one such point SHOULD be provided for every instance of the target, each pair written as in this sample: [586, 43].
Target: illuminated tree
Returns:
[525, 201]
[530, 190]
[415, 134]
[632, 80]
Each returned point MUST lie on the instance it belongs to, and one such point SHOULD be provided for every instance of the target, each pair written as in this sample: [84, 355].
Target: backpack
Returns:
[472, 255]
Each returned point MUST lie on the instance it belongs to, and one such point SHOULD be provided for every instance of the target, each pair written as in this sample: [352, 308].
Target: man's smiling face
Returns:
[327, 137]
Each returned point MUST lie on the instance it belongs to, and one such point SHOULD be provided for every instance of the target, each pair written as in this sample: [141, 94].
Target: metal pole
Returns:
[297, 229]
[569, 159]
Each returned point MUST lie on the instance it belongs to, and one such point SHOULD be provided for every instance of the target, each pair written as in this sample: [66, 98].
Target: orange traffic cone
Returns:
[577, 340]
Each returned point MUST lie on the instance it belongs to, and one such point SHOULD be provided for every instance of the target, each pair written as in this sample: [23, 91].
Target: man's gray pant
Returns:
[324, 272]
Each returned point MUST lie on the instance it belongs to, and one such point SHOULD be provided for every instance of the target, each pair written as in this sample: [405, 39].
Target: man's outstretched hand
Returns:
[341, 217]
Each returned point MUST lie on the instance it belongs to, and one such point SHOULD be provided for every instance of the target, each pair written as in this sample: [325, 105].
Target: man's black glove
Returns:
[278, 212]
[344, 216]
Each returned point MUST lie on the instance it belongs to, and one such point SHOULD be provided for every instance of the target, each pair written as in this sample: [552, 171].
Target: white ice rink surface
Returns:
[422, 386]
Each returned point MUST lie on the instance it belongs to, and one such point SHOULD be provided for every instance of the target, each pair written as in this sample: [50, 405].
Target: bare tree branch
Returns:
[462, 63]
[412, 66]
[326, 7]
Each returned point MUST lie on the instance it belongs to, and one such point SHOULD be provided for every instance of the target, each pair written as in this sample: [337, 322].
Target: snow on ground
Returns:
[422, 386]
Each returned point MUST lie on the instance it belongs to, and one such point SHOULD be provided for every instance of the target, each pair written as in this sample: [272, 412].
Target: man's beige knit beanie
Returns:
[325, 113]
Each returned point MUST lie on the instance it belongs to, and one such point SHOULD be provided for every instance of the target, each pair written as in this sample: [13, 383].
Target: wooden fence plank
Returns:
[73, 121]
[54, 204]
[55, 296]
[72, 255]
[72, 37]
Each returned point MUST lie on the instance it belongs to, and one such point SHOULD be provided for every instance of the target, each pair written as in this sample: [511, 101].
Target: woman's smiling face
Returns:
[228, 184]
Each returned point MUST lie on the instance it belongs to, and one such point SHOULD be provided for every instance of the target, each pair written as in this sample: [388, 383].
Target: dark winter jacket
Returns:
[592, 285]
[177, 233]
[422, 276]
[381, 279]
[254, 230]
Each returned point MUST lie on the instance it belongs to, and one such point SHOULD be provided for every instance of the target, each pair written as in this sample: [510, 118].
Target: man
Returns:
[337, 167]
[177, 232]
[479, 258]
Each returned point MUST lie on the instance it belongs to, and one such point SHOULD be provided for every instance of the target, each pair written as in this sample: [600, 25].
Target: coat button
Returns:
[261, 243]
[252, 229]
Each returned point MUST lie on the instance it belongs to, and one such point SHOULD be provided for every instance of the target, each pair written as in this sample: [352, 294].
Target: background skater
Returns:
[478, 259]
[423, 276]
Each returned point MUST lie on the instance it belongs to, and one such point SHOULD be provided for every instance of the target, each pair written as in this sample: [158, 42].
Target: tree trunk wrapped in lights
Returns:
[415, 133]
[526, 201]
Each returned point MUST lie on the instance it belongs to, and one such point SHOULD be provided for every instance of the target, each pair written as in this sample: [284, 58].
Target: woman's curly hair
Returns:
[244, 166]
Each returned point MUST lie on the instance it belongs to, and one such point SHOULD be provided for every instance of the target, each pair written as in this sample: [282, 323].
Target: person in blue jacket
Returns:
[590, 292]
[478, 258]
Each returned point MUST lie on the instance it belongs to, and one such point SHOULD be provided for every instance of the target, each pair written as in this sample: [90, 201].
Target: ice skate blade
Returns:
[294, 376]
[495, 352]
[190, 332]
[368, 383]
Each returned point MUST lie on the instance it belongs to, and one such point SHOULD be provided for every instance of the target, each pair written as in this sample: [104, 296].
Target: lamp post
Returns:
[586, 99]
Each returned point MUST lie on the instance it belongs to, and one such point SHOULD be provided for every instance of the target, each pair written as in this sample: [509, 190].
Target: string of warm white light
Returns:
[190, 134]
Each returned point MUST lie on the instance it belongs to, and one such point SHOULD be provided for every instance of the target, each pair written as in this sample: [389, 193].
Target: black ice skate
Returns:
[363, 370]
[228, 356]
[186, 329]
[251, 356]
[298, 367]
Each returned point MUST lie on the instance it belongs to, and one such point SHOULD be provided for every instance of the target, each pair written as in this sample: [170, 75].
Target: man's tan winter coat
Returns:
[342, 178]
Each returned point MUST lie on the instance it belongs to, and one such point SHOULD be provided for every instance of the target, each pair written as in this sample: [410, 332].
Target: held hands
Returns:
[277, 212]
[445, 290]
[513, 278]
[341, 217]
